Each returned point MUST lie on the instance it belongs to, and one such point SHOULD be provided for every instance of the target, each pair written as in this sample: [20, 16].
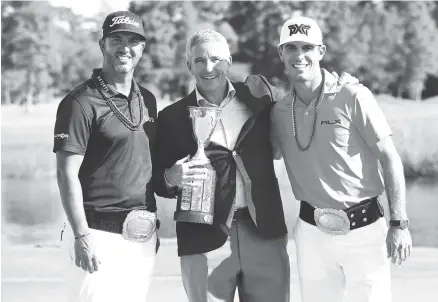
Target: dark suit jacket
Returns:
[175, 140]
[150, 128]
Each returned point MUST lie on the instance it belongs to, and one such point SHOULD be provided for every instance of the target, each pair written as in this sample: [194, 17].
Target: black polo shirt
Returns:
[117, 167]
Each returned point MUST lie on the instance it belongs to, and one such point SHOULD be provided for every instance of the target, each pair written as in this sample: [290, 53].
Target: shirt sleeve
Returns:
[72, 127]
[368, 118]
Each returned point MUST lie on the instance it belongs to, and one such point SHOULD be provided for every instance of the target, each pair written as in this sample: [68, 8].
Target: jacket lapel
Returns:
[186, 127]
[256, 105]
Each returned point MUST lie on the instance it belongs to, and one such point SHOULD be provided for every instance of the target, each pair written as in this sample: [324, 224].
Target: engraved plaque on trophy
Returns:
[196, 203]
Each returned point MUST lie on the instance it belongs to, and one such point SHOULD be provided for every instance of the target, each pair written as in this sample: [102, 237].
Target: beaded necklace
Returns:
[122, 117]
[315, 118]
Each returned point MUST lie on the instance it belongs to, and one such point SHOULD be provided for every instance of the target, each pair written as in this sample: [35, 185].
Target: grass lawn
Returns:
[31, 209]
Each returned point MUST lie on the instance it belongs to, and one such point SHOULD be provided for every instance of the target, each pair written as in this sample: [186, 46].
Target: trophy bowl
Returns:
[196, 203]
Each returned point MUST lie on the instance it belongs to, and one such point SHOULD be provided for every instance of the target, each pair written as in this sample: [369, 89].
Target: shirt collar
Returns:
[229, 96]
[330, 83]
[330, 86]
[107, 90]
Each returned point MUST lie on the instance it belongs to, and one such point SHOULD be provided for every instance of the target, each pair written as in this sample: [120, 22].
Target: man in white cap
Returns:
[332, 140]
[103, 140]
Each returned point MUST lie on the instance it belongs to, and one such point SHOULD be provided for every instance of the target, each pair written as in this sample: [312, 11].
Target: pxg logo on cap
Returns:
[300, 29]
[123, 21]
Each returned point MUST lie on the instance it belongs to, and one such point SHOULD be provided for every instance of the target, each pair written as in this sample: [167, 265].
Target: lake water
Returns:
[422, 209]
[32, 213]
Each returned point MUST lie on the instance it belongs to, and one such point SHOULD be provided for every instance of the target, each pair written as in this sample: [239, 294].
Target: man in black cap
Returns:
[103, 138]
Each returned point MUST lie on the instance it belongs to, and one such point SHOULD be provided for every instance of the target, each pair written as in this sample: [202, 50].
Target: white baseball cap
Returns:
[300, 29]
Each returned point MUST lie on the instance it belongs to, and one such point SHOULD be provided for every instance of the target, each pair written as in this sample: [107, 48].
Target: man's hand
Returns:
[85, 254]
[183, 172]
[398, 244]
[345, 79]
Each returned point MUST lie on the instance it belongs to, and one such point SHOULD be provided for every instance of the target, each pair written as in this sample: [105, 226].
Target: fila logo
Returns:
[331, 123]
[298, 28]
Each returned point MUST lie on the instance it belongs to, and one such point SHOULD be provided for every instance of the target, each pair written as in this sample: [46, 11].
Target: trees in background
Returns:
[420, 53]
[26, 39]
[169, 25]
[392, 47]
[46, 51]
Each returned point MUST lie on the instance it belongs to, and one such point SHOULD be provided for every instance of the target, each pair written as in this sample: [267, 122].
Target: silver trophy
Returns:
[196, 203]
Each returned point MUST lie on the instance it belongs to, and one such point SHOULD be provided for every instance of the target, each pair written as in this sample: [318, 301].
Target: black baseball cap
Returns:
[123, 21]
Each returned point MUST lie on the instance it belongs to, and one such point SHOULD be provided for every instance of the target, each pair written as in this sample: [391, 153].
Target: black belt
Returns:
[360, 215]
[241, 214]
[106, 221]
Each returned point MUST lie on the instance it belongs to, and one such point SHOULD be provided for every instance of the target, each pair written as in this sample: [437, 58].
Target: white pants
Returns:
[352, 267]
[124, 274]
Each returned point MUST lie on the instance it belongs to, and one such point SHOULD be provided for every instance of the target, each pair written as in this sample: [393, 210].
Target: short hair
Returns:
[203, 36]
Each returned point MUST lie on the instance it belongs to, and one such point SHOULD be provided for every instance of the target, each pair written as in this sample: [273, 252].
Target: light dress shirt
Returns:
[233, 116]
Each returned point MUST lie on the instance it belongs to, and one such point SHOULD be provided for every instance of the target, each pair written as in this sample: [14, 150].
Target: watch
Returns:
[403, 224]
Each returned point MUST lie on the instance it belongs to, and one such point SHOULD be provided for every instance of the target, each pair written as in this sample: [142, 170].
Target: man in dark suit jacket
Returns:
[248, 213]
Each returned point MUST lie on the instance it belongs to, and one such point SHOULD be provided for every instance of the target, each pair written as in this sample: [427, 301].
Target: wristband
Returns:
[82, 236]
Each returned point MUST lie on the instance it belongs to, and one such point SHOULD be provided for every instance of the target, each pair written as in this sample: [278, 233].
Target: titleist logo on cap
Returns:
[124, 20]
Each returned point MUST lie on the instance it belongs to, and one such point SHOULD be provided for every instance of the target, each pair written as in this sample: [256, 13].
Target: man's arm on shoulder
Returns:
[67, 170]
[258, 85]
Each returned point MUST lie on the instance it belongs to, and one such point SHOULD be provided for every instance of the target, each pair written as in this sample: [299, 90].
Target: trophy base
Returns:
[194, 217]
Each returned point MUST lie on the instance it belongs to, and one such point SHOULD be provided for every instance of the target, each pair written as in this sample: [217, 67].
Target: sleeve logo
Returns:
[61, 136]
[298, 28]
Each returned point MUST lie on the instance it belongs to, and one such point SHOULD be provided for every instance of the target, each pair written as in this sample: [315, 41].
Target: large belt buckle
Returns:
[332, 221]
[139, 225]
